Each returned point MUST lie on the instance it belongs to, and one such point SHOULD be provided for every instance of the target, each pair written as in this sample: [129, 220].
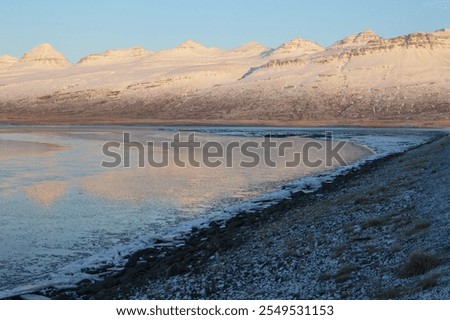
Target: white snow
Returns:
[359, 64]
[356, 40]
[45, 54]
[115, 55]
[296, 47]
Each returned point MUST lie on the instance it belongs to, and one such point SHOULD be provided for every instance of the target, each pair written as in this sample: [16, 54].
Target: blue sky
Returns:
[78, 28]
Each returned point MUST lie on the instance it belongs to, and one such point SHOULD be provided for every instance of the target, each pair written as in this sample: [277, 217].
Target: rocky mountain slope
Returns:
[363, 77]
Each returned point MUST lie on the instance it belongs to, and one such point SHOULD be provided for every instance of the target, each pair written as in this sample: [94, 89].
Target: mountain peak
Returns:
[355, 40]
[251, 46]
[297, 46]
[116, 54]
[365, 36]
[368, 31]
[190, 45]
[45, 54]
[297, 43]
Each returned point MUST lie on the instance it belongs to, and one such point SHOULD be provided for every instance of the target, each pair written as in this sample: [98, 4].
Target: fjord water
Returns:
[58, 204]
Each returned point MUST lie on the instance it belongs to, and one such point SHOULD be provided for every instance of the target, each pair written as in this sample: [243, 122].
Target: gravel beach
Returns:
[378, 232]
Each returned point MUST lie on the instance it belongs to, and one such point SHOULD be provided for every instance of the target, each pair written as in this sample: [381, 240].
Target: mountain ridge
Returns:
[115, 54]
[361, 77]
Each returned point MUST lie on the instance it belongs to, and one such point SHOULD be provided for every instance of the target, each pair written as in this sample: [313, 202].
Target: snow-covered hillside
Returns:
[363, 76]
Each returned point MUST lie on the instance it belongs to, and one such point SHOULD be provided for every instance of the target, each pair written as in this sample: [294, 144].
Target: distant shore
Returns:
[378, 232]
[14, 119]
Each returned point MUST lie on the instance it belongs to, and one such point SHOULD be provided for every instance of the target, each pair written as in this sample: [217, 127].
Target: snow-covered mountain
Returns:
[362, 77]
[250, 48]
[357, 40]
[44, 54]
[295, 48]
[115, 55]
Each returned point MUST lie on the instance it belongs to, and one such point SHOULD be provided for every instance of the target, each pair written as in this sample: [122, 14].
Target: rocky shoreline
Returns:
[378, 232]
[355, 238]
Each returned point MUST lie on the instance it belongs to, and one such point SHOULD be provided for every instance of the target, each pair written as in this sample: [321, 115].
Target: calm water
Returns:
[58, 205]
